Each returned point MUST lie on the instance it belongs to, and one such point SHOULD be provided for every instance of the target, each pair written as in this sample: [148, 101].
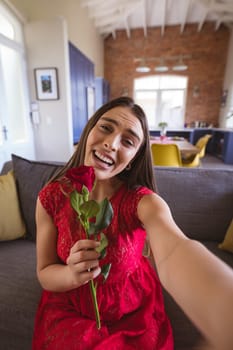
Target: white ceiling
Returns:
[110, 15]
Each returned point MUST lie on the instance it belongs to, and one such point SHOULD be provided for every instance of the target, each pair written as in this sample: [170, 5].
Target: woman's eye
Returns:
[128, 142]
[105, 127]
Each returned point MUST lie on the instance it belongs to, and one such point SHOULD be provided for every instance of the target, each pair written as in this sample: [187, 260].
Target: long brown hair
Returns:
[141, 172]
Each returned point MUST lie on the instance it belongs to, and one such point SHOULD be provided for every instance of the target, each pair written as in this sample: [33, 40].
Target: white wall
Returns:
[228, 86]
[49, 25]
[81, 30]
[47, 46]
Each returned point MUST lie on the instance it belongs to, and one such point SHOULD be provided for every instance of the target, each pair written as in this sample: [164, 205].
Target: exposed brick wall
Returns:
[205, 69]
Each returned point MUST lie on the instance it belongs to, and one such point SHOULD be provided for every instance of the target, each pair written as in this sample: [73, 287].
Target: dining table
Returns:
[186, 148]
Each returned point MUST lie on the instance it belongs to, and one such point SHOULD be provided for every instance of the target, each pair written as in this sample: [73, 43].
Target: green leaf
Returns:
[105, 270]
[85, 193]
[103, 253]
[76, 200]
[103, 218]
[103, 243]
[90, 209]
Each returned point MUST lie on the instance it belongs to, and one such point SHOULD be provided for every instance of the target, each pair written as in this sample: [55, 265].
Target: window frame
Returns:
[159, 92]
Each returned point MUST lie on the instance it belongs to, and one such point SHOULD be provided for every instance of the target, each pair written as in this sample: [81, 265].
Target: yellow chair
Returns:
[202, 143]
[194, 161]
[191, 162]
[167, 154]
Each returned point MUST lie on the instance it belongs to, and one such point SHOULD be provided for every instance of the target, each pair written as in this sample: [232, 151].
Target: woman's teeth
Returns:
[103, 158]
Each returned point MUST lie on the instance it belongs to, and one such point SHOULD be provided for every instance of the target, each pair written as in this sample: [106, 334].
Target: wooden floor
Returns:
[213, 162]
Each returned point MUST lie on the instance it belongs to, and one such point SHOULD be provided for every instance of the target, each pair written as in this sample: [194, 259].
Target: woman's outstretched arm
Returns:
[198, 281]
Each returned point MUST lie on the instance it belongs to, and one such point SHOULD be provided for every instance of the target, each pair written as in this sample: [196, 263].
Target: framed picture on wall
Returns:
[46, 80]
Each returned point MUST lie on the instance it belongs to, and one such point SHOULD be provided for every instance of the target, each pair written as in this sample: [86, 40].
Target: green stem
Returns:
[93, 293]
[95, 304]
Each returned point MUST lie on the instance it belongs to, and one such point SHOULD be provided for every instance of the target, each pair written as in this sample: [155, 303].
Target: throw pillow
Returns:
[227, 243]
[11, 223]
[30, 177]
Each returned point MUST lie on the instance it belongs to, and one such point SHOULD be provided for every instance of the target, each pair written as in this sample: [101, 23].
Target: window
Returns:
[13, 99]
[10, 27]
[6, 28]
[163, 99]
[16, 134]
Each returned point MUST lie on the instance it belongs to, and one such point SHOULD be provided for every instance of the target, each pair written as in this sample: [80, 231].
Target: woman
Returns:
[115, 142]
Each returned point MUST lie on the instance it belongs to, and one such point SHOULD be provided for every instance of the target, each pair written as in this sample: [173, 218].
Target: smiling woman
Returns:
[115, 146]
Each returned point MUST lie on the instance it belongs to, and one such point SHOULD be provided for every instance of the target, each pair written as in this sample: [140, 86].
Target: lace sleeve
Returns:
[52, 198]
[129, 205]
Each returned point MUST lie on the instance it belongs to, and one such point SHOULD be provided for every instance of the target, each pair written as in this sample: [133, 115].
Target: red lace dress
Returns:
[130, 301]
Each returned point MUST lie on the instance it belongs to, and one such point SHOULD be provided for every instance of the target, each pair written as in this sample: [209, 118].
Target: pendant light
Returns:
[143, 68]
[180, 66]
[161, 67]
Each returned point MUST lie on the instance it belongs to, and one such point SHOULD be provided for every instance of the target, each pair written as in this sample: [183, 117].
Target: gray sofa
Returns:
[201, 201]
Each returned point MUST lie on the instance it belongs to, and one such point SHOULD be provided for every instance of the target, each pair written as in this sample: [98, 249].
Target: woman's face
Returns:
[113, 142]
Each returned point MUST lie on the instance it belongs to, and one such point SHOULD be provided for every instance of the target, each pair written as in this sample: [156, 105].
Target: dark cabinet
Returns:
[222, 145]
[102, 92]
[81, 77]
[198, 133]
[186, 133]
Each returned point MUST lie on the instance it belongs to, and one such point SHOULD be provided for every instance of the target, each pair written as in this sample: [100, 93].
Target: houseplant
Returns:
[163, 129]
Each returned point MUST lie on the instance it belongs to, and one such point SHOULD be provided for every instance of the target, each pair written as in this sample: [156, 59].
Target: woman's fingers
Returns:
[87, 265]
[83, 250]
[83, 261]
[83, 256]
[85, 271]
[89, 275]
[84, 244]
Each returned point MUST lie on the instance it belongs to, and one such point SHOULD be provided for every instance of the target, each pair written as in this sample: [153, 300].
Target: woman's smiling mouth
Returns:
[103, 158]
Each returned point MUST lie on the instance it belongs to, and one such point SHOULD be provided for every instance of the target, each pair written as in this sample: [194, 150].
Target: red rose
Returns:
[83, 175]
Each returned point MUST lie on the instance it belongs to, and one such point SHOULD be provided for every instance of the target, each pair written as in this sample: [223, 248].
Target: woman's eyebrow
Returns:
[113, 121]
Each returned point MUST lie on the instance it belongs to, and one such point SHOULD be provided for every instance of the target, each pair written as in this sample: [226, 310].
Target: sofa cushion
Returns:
[11, 223]
[201, 200]
[19, 293]
[227, 243]
[7, 166]
[30, 177]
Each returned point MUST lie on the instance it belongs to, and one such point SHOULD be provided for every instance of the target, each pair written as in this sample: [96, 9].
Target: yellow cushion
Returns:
[227, 243]
[11, 223]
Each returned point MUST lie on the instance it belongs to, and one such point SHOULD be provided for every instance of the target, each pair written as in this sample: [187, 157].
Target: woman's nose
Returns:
[111, 142]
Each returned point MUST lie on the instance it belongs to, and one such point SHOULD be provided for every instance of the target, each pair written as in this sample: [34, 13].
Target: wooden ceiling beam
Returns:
[206, 5]
[222, 7]
[115, 18]
[164, 8]
[144, 16]
[187, 7]
[222, 19]
[102, 12]
[110, 15]
[127, 28]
